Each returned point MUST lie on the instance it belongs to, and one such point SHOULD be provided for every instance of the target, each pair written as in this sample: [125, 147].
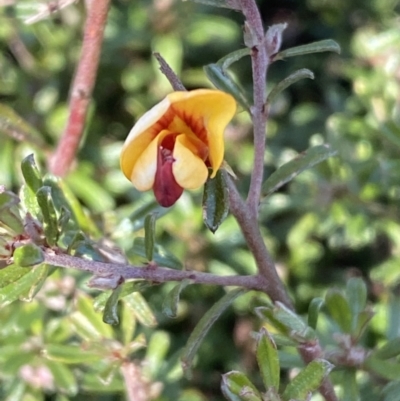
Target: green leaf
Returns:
[307, 381]
[87, 323]
[387, 369]
[16, 127]
[9, 213]
[70, 354]
[31, 173]
[291, 169]
[156, 352]
[232, 4]
[11, 274]
[289, 319]
[389, 350]
[215, 201]
[313, 312]
[128, 324]
[28, 255]
[224, 82]
[25, 287]
[50, 223]
[237, 387]
[391, 391]
[64, 380]
[149, 235]
[231, 58]
[126, 289]
[356, 294]
[161, 257]
[140, 308]
[268, 360]
[110, 314]
[204, 325]
[339, 309]
[290, 80]
[390, 131]
[351, 390]
[327, 45]
[171, 301]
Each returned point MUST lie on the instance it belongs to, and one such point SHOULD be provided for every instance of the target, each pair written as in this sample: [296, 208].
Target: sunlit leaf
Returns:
[307, 381]
[327, 45]
[291, 169]
[204, 325]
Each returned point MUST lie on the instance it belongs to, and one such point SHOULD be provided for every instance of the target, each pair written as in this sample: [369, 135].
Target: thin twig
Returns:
[271, 284]
[259, 64]
[173, 79]
[151, 273]
[82, 86]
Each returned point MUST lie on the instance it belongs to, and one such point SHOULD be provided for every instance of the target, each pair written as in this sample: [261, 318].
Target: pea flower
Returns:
[171, 147]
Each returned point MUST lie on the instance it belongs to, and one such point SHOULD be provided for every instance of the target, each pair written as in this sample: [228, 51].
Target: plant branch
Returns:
[82, 86]
[259, 62]
[152, 272]
[271, 284]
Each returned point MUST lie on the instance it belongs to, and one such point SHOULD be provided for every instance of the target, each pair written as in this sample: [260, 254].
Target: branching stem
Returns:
[82, 87]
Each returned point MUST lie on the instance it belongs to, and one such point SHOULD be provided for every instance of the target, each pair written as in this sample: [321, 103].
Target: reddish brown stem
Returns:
[82, 86]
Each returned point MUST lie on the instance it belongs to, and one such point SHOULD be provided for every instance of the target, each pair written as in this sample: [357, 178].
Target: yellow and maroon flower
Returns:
[171, 147]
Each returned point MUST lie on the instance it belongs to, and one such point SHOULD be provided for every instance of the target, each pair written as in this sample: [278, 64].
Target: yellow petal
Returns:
[140, 136]
[144, 170]
[189, 170]
[209, 109]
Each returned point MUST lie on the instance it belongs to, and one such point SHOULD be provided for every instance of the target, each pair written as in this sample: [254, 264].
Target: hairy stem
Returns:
[151, 273]
[82, 86]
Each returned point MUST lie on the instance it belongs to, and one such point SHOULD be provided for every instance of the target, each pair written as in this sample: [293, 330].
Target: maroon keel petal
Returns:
[166, 189]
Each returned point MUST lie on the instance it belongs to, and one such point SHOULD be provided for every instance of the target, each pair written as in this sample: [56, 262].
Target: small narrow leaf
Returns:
[126, 289]
[204, 325]
[307, 381]
[215, 201]
[313, 312]
[141, 309]
[9, 213]
[223, 81]
[30, 171]
[110, 314]
[149, 235]
[70, 354]
[160, 256]
[390, 350]
[231, 58]
[50, 223]
[88, 323]
[171, 301]
[64, 380]
[28, 255]
[232, 4]
[268, 360]
[356, 294]
[339, 309]
[291, 169]
[386, 369]
[290, 80]
[237, 387]
[327, 45]
[23, 286]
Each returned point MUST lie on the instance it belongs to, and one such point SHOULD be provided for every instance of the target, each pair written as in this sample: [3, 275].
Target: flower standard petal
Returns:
[189, 170]
[207, 112]
[141, 135]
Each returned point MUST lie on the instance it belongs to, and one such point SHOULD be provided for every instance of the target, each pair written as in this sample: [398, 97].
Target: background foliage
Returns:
[335, 221]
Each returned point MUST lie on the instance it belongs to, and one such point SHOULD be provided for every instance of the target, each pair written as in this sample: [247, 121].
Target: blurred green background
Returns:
[335, 221]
